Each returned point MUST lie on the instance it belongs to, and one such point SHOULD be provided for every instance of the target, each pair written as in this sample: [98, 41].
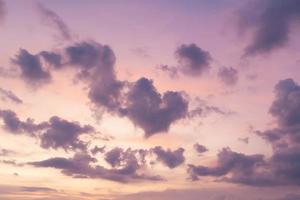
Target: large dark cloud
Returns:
[169, 158]
[228, 76]
[7, 94]
[55, 133]
[272, 21]
[239, 165]
[282, 167]
[152, 111]
[192, 59]
[31, 68]
[84, 166]
[61, 133]
[51, 19]
[94, 65]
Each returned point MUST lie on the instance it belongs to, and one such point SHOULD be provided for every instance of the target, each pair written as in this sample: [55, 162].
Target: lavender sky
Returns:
[150, 100]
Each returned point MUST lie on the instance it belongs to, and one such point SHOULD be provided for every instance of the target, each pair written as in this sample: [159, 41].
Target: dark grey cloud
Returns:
[192, 59]
[200, 148]
[96, 65]
[31, 68]
[7, 94]
[51, 19]
[272, 21]
[228, 76]
[52, 58]
[114, 156]
[97, 149]
[239, 165]
[286, 105]
[152, 111]
[61, 133]
[81, 166]
[168, 157]
[55, 133]
[282, 167]
[13, 124]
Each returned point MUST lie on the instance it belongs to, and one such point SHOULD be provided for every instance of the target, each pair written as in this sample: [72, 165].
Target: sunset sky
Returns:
[150, 100]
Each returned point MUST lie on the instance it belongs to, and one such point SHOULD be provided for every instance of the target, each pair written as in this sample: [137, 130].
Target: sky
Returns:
[140, 100]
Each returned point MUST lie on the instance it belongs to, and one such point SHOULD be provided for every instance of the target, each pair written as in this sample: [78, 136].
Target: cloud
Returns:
[50, 18]
[200, 148]
[228, 76]
[52, 58]
[239, 165]
[113, 157]
[61, 133]
[54, 133]
[80, 166]
[97, 149]
[96, 65]
[152, 111]
[171, 71]
[169, 158]
[7, 94]
[272, 22]
[192, 59]
[13, 124]
[6, 152]
[2, 10]
[37, 189]
[282, 167]
[31, 68]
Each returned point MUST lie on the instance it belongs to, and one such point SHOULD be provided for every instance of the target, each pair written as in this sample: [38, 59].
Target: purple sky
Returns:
[140, 99]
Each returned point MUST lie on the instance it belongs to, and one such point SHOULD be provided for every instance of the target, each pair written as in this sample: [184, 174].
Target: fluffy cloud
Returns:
[192, 59]
[152, 111]
[272, 22]
[94, 65]
[239, 165]
[55, 133]
[282, 168]
[169, 158]
[80, 166]
[31, 68]
[13, 124]
[61, 133]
